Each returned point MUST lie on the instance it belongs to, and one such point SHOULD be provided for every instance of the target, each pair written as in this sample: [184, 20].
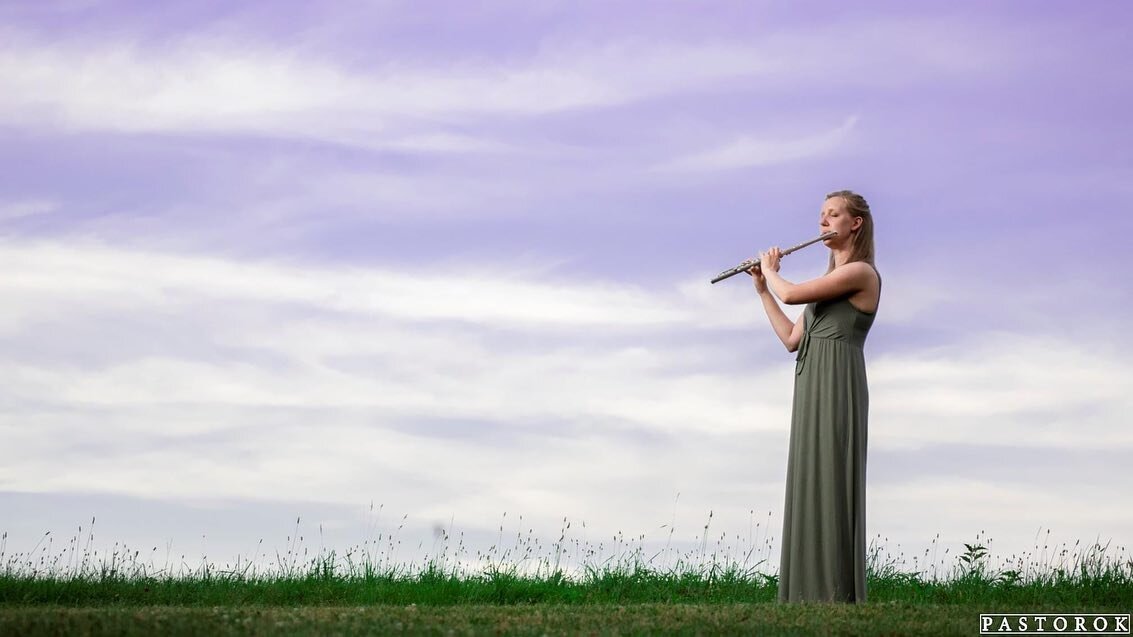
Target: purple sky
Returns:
[454, 258]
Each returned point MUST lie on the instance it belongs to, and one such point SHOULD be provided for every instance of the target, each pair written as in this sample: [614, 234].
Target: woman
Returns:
[824, 542]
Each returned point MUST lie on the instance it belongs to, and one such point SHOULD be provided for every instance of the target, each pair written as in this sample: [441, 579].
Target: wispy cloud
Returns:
[202, 82]
[511, 294]
[16, 209]
[746, 151]
[491, 347]
[1004, 388]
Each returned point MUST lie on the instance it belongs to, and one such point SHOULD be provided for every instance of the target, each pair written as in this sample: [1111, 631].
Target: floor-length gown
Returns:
[824, 543]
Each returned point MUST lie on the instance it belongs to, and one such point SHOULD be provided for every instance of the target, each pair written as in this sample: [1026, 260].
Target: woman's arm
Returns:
[839, 282]
[790, 334]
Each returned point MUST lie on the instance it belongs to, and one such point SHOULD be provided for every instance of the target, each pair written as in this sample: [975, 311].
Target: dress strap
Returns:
[878, 286]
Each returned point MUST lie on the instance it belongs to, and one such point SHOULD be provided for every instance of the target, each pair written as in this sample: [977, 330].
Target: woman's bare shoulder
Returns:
[860, 269]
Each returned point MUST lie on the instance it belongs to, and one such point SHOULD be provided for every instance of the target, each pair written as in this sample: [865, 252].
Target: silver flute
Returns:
[750, 263]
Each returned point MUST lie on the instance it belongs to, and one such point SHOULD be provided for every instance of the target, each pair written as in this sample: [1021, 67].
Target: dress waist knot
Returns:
[804, 347]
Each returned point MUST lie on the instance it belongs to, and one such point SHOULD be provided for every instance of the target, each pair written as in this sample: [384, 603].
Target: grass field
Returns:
[518, 590]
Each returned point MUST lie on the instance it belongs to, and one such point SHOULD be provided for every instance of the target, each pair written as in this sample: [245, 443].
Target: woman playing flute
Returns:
[824, 536]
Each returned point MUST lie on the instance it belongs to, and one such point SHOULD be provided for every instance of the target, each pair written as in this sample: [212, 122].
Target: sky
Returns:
[446, 264]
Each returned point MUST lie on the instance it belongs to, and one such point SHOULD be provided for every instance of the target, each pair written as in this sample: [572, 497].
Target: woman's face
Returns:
[835, 217]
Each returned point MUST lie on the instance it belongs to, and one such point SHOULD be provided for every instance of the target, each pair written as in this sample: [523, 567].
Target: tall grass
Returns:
[521, 569]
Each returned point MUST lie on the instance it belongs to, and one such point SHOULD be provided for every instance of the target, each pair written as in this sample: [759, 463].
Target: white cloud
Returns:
[215, 83]
[488, 295]
[500, 295]
[202, 84]
[1007, 389]
[19, 208]
[414, 346]
[746, 151]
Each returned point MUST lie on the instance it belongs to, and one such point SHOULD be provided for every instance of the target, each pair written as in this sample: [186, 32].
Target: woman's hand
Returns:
[758, 278]
[769, 261]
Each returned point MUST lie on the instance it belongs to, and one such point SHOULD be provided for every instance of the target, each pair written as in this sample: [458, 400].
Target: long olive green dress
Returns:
[824, 543]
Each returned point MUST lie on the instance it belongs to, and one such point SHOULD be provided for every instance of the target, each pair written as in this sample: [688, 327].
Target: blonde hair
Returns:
[862, 247]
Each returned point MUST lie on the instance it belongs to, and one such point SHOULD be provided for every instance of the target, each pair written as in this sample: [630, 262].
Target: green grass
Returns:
[570, 586]
[321, 587]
